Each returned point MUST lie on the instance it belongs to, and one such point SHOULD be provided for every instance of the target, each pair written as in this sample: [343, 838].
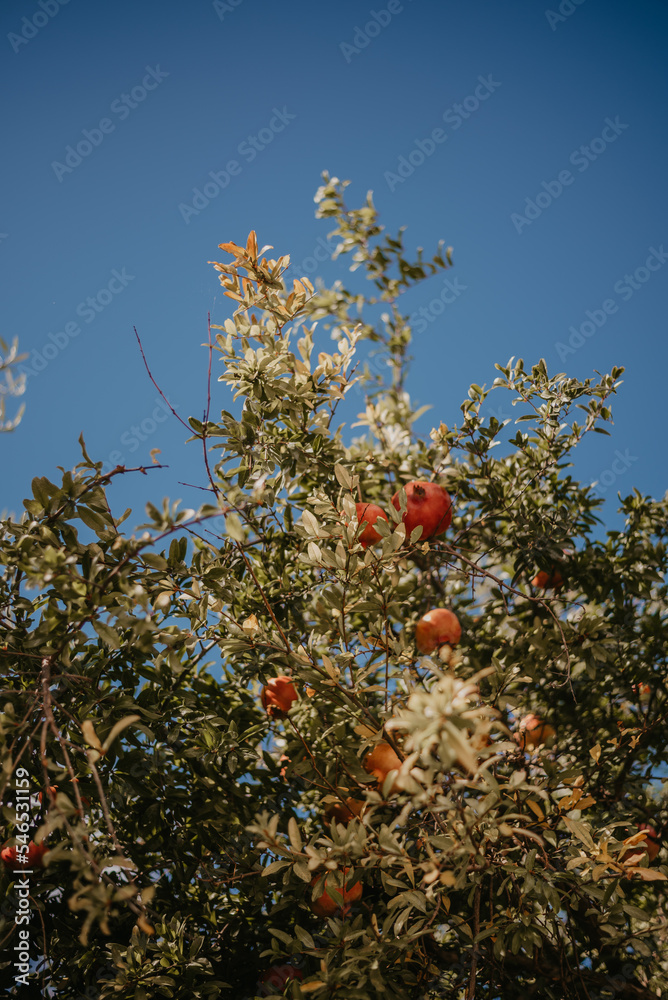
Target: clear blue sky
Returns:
[172, 91]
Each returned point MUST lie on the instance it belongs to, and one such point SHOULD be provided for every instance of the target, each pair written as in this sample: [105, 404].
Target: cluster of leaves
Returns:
[11, 385]
[187, 826]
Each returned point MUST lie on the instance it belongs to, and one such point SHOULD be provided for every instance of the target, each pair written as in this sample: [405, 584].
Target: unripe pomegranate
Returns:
[333, 899]
[436, 628]
[427, 504]
[278, 696]
[34, 859]
[533, 731]
[369, 513]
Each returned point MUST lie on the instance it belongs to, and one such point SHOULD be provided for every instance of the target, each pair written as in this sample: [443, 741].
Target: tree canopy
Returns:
[213, 832]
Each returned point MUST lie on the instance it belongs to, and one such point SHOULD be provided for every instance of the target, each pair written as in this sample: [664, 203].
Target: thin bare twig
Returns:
[470, 993]
[162, 395]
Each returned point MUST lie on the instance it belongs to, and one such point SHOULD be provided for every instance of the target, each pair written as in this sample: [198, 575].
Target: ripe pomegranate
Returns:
[380, 761]
[12, 859]
[436, 628]
[327, 905]
[369, 513]
[278, 696]
[344, 813]
[533, 731]
[275, 979]
[548, 581]
[427, 504]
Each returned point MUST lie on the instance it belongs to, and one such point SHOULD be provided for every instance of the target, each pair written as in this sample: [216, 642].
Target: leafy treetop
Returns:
[189, 829]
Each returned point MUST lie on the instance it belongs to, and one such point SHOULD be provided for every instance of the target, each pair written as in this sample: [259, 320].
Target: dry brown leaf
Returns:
[536, 809]
[232, 247]
[251, 624]
[648, 874]
[89, 734]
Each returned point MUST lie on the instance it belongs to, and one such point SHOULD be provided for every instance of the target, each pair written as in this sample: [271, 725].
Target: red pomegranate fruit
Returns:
[428, 505]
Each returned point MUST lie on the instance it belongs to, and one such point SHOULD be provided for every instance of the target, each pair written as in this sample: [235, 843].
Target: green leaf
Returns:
[109, 635]
[85, 454]
[43, 490]
[294, 834]
[234, 528]
[343, 476]
[93, 520]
